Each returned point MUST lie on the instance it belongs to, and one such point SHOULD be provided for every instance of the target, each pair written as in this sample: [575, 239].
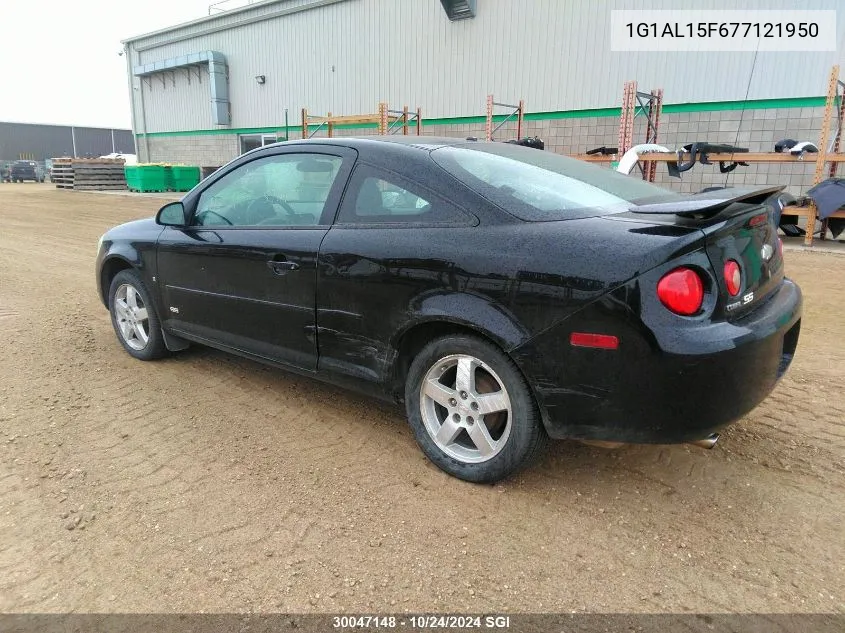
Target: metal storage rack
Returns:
[650, 104]
[517, 111]
[829, 155]
[388, 121]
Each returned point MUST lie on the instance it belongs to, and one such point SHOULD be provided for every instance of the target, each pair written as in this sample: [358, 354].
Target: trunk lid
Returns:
[738, 226]
[750, 239]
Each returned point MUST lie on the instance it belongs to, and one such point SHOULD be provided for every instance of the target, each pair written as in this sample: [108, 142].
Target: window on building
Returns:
[254, 141]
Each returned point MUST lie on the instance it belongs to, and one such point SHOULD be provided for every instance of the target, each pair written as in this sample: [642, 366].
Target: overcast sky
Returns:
[59, 59]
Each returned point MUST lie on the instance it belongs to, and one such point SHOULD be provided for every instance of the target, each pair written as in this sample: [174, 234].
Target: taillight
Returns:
[681, 291]
[733, 277]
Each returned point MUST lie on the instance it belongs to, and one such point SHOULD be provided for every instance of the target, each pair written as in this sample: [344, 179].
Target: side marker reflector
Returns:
[600, 341]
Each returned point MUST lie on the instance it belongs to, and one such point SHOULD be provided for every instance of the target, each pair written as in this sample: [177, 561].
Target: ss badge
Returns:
[746, 299]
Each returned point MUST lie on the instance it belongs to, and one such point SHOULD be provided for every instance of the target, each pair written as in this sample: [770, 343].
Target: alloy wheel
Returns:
[465, 408]
[131, 316]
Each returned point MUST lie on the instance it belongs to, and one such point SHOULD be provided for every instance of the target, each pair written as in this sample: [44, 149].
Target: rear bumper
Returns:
[664, 386]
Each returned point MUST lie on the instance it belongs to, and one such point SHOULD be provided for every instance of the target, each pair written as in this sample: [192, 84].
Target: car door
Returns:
[242, 274]
[392, 246]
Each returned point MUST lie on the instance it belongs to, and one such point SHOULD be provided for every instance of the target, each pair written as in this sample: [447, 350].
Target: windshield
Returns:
[537, 185]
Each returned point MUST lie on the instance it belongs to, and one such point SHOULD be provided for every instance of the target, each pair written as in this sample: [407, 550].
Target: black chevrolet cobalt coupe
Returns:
[503, 294]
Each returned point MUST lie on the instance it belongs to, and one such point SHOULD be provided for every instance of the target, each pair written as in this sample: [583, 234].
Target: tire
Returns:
[139, 332]
[449, 385]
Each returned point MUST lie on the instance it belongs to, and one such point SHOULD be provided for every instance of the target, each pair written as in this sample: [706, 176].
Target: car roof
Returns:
[427, 143]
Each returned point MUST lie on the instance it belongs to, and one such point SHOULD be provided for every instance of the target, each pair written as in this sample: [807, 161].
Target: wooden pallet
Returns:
[89, 174]
[99, 187]
[62, 173]
[88, 177]
[107, 166]
[98, 181]
[93, 161]
[99, 172]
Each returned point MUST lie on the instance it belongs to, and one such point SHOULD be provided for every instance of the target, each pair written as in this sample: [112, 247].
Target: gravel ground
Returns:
[210, 483]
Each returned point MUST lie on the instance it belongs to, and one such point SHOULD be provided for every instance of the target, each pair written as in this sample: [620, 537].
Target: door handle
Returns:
[281, 267]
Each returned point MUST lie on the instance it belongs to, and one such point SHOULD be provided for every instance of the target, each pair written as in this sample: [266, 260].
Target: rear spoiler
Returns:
[709, 203]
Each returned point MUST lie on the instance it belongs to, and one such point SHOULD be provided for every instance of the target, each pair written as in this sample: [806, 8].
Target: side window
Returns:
[375, 196]
[282, 190]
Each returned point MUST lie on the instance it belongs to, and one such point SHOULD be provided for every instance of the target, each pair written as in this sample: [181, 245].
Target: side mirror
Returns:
[172, 214]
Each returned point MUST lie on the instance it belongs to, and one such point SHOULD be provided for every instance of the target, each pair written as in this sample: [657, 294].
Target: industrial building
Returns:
[39, 142]
[205, 91]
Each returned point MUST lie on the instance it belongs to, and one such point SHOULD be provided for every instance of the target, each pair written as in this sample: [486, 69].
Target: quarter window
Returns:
[282, 190]
[377, 197]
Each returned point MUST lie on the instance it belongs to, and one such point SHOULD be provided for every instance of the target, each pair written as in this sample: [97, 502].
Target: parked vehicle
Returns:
[22, 170]
[5, 172]
[502, 294]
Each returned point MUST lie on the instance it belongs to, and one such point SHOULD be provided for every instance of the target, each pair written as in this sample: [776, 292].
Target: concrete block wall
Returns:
[758, 130]
[203, 150]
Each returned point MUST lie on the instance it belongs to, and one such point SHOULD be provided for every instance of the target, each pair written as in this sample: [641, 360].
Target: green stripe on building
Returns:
[672, 108]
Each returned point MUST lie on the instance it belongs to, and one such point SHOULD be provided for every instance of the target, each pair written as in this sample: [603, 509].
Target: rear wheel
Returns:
[471, 410]
[134, 317]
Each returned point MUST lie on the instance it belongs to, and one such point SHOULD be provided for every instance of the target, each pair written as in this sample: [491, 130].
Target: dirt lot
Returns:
[206, 482]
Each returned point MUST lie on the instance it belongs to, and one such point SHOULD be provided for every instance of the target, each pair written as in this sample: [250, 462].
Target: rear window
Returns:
[538, 186]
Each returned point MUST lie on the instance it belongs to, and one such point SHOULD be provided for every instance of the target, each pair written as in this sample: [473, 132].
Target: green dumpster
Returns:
[146, 177]
[184, 177]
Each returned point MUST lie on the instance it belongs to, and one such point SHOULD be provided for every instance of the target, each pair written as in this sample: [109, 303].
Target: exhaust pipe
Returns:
[707, 442]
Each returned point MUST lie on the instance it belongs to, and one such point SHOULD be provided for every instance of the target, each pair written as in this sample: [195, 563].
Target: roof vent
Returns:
[459, 9]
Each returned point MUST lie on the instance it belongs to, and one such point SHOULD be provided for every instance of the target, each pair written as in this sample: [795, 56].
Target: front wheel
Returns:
[134, 317]
[471, 410]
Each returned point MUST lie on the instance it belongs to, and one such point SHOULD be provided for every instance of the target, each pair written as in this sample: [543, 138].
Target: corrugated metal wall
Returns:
[124, 142]
[37, 141]
[49, 141]
[345, 56]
